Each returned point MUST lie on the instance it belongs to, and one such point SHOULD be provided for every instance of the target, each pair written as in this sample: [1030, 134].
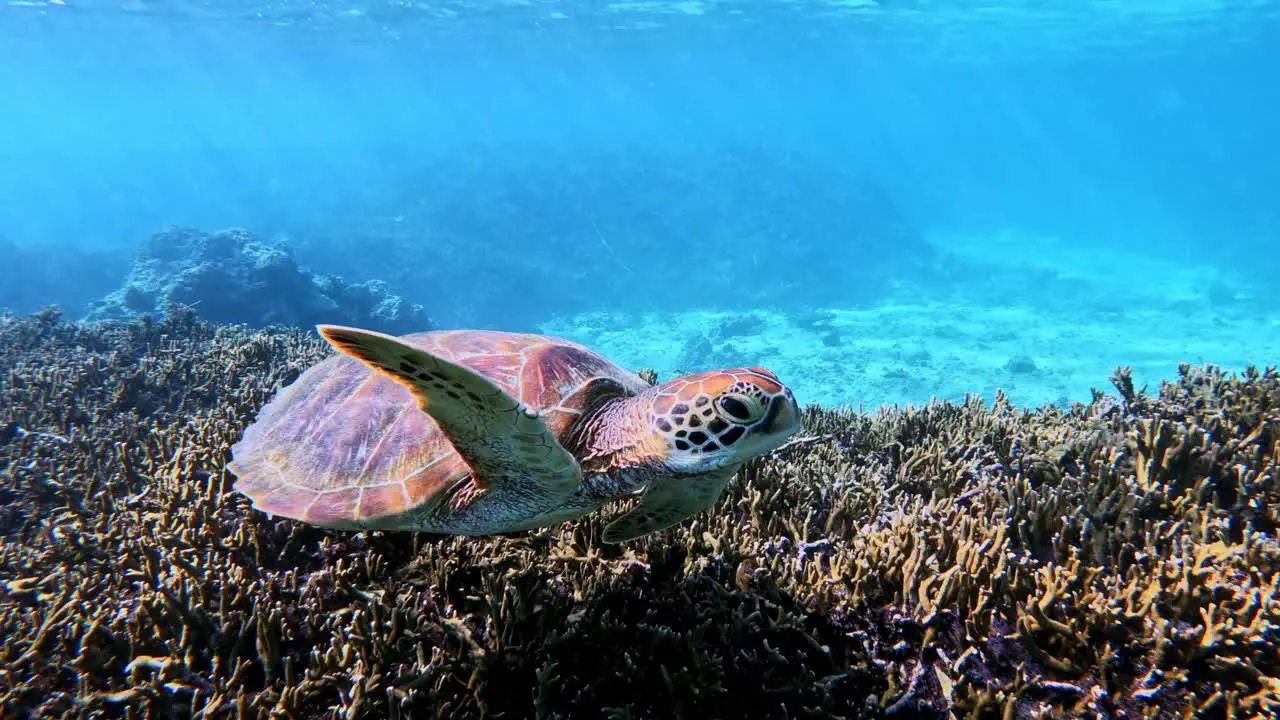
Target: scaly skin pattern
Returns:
[683, 431]
[346, 447]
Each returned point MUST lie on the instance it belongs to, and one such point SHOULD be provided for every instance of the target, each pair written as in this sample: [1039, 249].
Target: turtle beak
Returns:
[783, 418]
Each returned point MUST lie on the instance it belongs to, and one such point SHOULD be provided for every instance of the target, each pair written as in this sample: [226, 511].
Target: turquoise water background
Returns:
[672, 183]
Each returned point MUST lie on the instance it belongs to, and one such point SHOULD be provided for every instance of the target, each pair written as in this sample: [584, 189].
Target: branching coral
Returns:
[1116, 558]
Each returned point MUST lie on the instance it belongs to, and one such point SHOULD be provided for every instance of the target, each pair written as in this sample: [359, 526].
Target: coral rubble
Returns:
[231, 276]
[1115, 559]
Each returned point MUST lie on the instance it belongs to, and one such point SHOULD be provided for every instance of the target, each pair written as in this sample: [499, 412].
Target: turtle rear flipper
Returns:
[503, 441]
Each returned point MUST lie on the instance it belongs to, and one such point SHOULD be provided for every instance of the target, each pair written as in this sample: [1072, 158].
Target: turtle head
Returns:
[720, 418]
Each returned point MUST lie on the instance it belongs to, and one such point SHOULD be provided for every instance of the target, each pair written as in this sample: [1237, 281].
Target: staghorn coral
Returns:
[1111, 559]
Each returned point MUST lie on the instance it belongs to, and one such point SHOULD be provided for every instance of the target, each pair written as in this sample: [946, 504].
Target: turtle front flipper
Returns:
[504, 441]
[667, 503]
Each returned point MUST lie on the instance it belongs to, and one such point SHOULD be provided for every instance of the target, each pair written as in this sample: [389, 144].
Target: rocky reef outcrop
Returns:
[231, 276]
[1117, 558]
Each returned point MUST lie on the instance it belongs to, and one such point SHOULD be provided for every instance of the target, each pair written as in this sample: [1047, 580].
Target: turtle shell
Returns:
[345, 446]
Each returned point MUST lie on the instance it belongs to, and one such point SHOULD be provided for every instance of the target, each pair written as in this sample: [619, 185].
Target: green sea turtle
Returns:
[500, 432]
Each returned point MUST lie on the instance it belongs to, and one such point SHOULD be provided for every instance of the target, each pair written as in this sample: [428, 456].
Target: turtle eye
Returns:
[740, 409]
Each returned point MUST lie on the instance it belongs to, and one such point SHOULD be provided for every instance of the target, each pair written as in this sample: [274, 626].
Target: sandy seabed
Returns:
[1044, 324]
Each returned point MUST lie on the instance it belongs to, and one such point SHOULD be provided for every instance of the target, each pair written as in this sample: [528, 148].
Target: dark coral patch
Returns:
[1111, 559]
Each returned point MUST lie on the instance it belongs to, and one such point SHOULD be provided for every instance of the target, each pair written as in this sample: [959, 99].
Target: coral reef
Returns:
[714, 345]
[230, 276]
[1021, 365]
[1116, 558]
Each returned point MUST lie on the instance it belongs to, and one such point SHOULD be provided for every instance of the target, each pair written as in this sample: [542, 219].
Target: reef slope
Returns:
[1116, 558]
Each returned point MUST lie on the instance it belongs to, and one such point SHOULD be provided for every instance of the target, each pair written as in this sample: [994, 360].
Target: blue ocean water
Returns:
[882, 201]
